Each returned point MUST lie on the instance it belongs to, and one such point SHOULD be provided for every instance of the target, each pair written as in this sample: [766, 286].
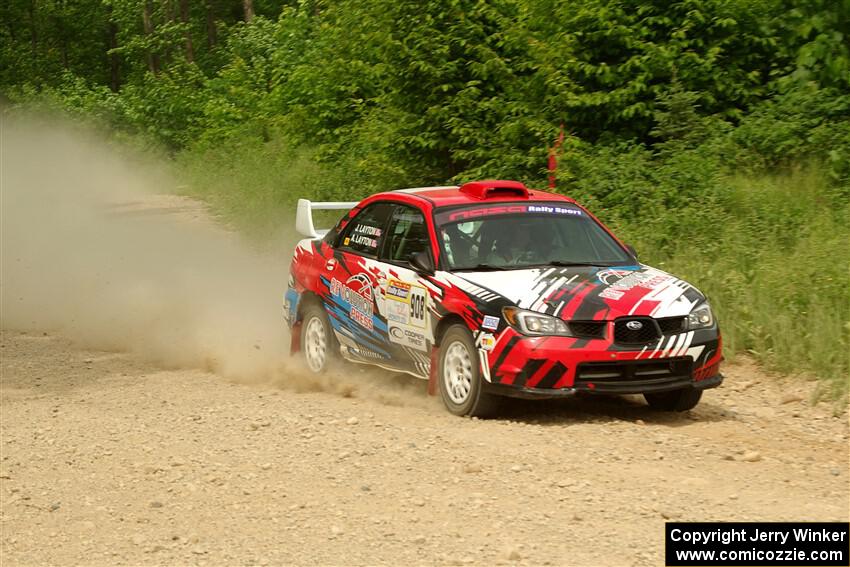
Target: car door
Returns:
[404, 303]
[355, 277]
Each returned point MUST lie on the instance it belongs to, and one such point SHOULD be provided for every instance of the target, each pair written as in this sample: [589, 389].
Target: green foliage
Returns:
[622, 56]
[813, 36]
[168, 107]
[39, 41]
[450, 89]
[239, 96]
[801, 124]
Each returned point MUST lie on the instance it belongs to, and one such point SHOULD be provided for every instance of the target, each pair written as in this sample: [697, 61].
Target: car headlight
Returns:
[534, 323]
[701, 317]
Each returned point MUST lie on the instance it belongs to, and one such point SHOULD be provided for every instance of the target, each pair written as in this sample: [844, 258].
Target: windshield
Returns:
[522, 235]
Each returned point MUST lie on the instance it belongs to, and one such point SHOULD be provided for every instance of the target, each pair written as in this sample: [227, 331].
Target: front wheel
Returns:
[317, 339]
[459, 376]
[674, 400]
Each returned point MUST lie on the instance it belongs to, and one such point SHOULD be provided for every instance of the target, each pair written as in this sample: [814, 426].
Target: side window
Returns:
[406, 235]
[364, 233]
[332, 237]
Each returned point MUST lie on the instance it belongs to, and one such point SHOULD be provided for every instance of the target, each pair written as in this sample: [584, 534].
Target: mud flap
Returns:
[295, 338]
[484, 343]
[432, 375]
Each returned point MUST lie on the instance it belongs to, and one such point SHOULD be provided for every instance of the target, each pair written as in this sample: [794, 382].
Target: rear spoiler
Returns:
[304, 216]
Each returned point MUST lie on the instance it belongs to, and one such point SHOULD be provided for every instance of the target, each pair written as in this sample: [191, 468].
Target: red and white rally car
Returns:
[493, 289]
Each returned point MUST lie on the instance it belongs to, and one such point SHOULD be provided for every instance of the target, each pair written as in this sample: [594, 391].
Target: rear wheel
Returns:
[674, 400]
[459, 376]
[318, 344]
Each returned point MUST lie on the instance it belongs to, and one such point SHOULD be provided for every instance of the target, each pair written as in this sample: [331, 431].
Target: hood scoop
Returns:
[495, 188]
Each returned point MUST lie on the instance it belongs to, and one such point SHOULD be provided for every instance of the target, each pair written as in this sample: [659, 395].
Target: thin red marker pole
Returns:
[553, 157]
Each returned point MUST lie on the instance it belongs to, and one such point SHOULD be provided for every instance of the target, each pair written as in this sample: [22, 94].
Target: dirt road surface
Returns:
[107, 459]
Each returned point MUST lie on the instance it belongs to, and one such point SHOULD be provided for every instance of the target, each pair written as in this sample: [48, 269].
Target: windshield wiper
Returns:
[557, 263]
[482, 268]
[562, 264]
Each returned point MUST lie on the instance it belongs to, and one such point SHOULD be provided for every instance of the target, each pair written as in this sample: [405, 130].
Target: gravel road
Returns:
[108, 459]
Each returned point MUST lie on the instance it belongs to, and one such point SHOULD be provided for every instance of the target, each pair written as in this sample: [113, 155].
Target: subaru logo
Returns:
[634, 325]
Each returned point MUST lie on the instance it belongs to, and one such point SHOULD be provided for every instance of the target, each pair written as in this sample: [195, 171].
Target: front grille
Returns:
[630, 376]
[647, 333]
[588, 329]
[671, 325]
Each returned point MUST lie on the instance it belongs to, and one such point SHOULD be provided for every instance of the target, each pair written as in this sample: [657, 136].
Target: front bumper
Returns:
[552, 367]
[551, 393]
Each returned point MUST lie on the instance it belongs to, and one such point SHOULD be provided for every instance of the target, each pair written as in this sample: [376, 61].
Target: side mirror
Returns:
[632, 251]
[422, 263]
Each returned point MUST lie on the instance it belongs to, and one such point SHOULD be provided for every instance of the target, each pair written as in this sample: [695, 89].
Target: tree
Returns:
[147, 20]
[184, 19]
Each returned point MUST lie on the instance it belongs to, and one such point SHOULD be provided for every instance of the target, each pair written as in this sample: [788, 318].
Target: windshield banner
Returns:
[477, 211]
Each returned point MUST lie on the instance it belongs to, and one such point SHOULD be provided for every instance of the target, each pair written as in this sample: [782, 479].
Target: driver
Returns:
[515, 245]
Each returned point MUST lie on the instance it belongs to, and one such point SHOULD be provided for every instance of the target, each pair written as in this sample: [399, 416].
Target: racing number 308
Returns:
[417, 307]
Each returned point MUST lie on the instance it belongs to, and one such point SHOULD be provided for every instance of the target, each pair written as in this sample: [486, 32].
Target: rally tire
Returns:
[318, 343]
[459, 376]
[674, 400]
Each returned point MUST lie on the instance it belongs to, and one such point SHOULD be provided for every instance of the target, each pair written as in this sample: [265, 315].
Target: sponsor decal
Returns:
[409, 303]
[357, 292]
[486, 342]
[398, 312]
[408, 337]
[612, 294]
[366, 229]
[365, 235]
[485, 212]
[634, 325]
[346, 241]
[620, 281]
[398, 290]
[490, 322]
[553, 210]
[613, 275]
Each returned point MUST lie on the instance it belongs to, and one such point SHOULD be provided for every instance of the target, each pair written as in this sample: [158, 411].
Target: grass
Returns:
[254, 185]
[773, 255]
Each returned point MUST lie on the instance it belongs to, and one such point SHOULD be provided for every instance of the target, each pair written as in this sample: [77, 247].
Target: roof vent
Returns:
[494, 188]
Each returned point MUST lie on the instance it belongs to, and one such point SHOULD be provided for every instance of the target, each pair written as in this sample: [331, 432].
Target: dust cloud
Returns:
[94, 248]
